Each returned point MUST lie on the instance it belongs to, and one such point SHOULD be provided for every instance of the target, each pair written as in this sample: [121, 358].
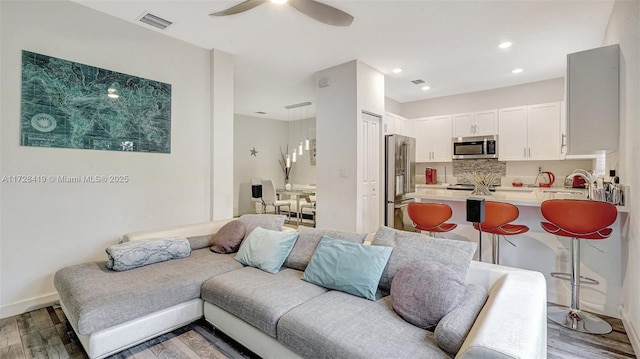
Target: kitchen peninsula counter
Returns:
[541, 251]
[519, 196]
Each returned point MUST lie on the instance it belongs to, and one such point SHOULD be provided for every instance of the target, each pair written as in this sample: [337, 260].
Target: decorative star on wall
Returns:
[254, 152]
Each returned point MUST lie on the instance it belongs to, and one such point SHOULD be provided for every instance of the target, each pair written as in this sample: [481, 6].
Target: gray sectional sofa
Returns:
[280, 315]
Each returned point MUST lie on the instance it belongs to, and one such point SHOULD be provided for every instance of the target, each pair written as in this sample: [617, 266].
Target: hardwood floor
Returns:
[563, 343]
[45, 334]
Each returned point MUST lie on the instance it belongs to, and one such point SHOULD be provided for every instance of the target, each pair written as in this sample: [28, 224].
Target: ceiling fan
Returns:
[314, 9]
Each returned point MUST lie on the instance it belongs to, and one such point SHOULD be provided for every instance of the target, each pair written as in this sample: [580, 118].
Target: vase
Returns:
[287, 185]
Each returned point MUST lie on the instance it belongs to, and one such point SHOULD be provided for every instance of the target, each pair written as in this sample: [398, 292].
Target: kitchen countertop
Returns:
[519, 196]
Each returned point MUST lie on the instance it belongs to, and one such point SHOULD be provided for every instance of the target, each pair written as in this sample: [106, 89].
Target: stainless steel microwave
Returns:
[475, 147]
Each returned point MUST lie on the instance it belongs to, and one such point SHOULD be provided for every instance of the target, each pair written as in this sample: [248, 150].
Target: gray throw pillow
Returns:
[454, 327]
[411, 247]
[308, 242]
[424, 292]
[273, 222]
[228, 238]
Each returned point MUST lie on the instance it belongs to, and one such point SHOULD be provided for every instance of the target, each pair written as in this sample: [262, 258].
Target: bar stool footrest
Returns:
[567, 277]
[578, 320]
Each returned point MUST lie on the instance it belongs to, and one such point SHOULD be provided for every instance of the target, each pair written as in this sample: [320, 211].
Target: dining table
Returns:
[297, 193]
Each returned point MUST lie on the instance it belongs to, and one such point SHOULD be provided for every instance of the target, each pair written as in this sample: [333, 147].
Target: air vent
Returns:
[418, 82]
[155, 21]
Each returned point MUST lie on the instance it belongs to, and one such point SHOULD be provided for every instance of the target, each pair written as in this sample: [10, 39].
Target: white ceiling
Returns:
[452, 45]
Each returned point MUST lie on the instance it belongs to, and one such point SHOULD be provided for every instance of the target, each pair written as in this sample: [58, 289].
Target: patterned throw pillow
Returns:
[138, 253]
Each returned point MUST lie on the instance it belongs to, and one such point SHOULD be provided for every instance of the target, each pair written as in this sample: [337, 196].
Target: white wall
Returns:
[392, 106]
[520, 95]
[624, 29]
[222, 70]
[371, 100]
[267, 137]
[336, 162]
[48, 226]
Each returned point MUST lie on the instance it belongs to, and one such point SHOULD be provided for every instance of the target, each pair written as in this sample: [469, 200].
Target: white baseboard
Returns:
[632, 333]
[28, 305]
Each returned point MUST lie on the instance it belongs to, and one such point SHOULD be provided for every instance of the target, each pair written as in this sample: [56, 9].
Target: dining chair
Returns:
[256, 193]
[309, 203]
[269, 198]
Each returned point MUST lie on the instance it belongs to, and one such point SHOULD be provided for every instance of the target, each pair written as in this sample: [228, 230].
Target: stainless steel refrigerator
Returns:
[400, 173]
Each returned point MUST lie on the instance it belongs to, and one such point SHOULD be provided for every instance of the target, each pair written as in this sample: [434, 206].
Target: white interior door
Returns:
[370, 176]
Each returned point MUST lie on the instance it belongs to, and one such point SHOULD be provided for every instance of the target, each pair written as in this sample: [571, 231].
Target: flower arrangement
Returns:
[285, 163]
[482, 182]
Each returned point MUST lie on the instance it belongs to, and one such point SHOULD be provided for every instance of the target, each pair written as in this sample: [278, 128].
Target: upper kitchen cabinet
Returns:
[530, 132]
[396, 124]
[479, 123]
[433, 139]
[593, 100]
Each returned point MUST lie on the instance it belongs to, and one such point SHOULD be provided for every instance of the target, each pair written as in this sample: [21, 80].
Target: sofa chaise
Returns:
[280, 315]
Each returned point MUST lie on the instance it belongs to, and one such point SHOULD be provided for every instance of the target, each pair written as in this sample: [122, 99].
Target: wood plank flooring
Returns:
[45, 334]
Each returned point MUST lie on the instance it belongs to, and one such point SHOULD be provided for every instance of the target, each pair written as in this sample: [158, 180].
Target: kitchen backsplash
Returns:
[525, 171]
[460, 167]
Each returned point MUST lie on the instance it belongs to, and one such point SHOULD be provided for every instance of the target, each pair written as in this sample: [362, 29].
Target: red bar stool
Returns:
[497, 221]
[578, 219]
[430, 217]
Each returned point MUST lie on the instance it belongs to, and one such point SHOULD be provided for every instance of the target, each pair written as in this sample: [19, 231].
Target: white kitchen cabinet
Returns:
[479, 123]
[388, 123]
[593, 100]
[433, 139]
[530, 133]
[404, 126]
[396, 124]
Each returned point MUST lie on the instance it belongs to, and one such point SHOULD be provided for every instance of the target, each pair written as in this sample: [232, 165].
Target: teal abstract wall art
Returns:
[71, 105]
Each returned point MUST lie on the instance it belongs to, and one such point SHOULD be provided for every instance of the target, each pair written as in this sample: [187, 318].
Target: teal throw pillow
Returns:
[266, 249]
[348, 267]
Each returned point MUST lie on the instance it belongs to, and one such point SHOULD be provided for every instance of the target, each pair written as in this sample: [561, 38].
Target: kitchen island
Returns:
[540, 251]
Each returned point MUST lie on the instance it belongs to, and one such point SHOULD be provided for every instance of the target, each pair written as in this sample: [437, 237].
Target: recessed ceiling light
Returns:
[505, 45]
[516, 71]
[425, 88]
[397, 70]
[278, 1]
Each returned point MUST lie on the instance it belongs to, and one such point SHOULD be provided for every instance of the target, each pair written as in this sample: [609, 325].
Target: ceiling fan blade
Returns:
[322, 12]
[243, 6]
